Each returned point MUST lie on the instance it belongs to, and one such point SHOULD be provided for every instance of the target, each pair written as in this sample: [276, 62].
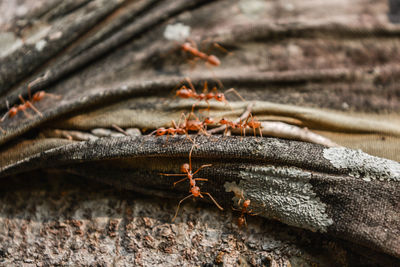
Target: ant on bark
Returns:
[194, 189]
[22, 107]
[233, 125]
[253, 124]
[26, 104]
[185, 92]
[188, 125]
[191, 48]
[197, 125]
[175, 129]
[243, 211]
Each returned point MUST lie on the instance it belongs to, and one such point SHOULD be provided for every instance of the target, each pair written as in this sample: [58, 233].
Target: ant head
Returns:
[38, 96]
[12, 112]
[186, 46]
[195, 190]
[208, 120]
[213, 60]
[185, 167]
[220, 97]
[161, 131]
[246, 203]
[223, 121]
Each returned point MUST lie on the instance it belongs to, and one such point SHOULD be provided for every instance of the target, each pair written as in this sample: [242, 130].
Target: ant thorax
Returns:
[209, 96]
[12, 112]
[220, 97]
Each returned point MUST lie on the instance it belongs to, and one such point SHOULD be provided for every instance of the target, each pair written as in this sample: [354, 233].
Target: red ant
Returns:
[171, 131]
[188, 125]
[232, 124]
[192, 49]
[194, 190]
[244, 210]
[22, 107]
[27, 104]
[185, 92]
[254, 124]
[197, 125]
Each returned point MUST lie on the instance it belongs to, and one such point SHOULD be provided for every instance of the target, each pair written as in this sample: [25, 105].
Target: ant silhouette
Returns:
[186, 168]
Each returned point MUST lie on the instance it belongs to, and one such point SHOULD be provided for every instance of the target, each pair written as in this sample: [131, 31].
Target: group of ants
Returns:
[188, 125]
[196, 125]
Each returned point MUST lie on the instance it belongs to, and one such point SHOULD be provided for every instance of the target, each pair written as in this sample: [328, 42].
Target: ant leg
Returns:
[179, 204]
[190, 157]
[204, 131]
[187, 79]
[174, 125]
[201, 179]
[173, 174]
[236, 93]
[223, 49]
[215, 202]
[29, 104]
[194, 105]
[236, 209]
[180, 119]
[4, 117]
[205, 87]
[119, 129]
[181, 180]
[26, 113]
[188, 137]
[254, 214]
[53, 96]
[226, 130]
[201, 167]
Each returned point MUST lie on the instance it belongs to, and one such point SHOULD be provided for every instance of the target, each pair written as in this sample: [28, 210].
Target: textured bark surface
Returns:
[328, 66]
